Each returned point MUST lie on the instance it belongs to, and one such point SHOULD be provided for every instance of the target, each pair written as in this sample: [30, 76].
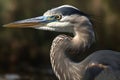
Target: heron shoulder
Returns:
[104, 57]
[96, 71]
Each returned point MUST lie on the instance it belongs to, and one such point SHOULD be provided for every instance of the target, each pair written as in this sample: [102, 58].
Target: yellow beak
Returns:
[29, 23]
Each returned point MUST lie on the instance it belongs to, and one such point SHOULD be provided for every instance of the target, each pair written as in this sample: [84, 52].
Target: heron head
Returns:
[62, 19]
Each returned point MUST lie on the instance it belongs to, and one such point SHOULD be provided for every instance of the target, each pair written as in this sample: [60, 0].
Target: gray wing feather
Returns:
[102, 65]
[108, 74]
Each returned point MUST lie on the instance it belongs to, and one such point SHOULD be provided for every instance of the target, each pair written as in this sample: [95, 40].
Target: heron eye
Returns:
[58, 17]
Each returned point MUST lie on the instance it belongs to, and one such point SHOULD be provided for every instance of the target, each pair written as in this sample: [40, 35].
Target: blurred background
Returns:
[24, 53]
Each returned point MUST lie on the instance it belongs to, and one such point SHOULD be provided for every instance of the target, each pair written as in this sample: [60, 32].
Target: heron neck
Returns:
[83, 38]
[65, 49]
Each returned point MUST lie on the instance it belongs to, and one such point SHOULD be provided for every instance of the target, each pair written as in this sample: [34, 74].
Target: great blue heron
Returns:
[100, 65]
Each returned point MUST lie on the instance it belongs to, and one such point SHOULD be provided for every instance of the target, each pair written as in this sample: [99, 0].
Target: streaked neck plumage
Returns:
[65, 49]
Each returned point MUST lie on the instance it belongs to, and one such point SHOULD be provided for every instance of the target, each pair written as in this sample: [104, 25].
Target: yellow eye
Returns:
[58, 17]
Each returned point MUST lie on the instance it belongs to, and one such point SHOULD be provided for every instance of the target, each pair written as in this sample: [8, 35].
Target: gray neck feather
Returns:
[64, 48]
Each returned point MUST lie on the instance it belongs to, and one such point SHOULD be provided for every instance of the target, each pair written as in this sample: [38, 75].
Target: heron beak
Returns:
[31, 23]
